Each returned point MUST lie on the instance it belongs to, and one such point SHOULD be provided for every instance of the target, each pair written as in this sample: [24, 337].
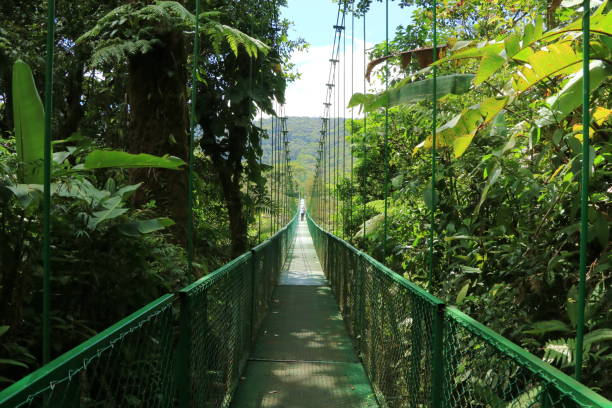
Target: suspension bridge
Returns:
[302, 320]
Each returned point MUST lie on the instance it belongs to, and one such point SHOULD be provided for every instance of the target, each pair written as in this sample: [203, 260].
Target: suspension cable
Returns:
[365, 135]
[344, 125]
[584, 190]
[350, 214]
[433, 148]
[272, 186]
[386, 142]
[260, 167]
[46, 246]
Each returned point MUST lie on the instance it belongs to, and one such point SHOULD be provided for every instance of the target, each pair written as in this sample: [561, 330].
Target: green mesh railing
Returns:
[182, 350]
[418, 352]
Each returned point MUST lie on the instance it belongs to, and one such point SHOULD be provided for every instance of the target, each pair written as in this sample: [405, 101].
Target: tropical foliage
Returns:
[508, 141]
[120, 137]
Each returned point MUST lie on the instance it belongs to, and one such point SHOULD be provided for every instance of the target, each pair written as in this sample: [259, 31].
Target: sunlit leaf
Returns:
[407, 92]
[29, 121]
[459, 131]
[99, 159]
[555, 59]
[141, 227]
[570, 96]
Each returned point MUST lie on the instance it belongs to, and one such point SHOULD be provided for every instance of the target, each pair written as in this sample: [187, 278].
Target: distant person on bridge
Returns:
[302, 210]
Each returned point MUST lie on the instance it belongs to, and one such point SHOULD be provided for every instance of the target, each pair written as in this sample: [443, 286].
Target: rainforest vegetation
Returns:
[120, 143]
[507, 179]
[508, 170]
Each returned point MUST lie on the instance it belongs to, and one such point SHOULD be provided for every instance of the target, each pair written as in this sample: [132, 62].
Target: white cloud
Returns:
[305, 96]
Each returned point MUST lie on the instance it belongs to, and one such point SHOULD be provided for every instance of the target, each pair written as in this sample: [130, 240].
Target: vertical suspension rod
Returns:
[386, 142]
[434, 197]
[584, 190]
[192, 128]
[46, 246]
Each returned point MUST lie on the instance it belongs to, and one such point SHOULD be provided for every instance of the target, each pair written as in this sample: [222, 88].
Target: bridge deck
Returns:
[303, 357]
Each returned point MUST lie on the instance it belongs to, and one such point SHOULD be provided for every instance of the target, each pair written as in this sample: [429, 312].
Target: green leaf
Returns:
[489, 65]
[4, 329]
[137, 228]
[560, 352]
[597, 336]
[459, 131]
[570, 96]
[6, 361]
[552, 60]
[600, 23]
[125, 191]
[29, 119]
[430, 197]
[512, 44]
[27, 194]
[571, 307]
[548, 326]
[408, 92]
[112, 210]
[462, 293]
[470, 269]
[100, 159]
[492, 178]
[475, 50]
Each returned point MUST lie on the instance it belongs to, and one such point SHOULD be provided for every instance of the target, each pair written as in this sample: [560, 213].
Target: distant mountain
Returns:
[303, 134]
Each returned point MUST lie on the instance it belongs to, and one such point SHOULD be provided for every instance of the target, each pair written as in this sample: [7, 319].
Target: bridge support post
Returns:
[253, 317]
[438, 396]
[183, 366]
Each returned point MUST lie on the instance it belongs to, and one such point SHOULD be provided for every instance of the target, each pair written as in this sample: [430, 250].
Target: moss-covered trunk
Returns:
[158, 124]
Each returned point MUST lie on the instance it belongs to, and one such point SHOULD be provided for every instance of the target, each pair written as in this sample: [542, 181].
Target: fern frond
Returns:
[560, 352]
[234, 38]
[119, 51]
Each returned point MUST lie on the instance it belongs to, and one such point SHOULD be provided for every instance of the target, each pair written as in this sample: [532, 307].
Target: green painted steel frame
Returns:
[67, 367]
[72, 362]
[554, 382]
[565, 384]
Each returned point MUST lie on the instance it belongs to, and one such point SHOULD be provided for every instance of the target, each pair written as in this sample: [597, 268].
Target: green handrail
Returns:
[417, 351]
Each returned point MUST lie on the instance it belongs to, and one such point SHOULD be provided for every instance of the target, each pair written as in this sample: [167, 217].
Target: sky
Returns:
[313, 21]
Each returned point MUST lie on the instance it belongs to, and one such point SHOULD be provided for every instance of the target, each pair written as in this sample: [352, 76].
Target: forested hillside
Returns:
[303, 135]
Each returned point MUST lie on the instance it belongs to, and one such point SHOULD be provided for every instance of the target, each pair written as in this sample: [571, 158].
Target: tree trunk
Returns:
[229, 167]
[158, 124]
[73, 110]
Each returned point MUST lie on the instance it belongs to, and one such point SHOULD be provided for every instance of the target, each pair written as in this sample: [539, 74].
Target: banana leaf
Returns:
[407, 92]
[99, 159]
[28, 115]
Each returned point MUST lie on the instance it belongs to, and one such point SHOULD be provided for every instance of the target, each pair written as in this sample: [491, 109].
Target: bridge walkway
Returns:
[303, 356]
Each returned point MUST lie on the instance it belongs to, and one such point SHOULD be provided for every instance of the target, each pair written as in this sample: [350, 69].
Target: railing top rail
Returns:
[384, 269]
[77, 359]
[562, 382]
[566, 384]
[217, 273]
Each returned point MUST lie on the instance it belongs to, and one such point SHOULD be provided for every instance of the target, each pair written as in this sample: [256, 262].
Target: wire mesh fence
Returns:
[418, 352]
[182, 350]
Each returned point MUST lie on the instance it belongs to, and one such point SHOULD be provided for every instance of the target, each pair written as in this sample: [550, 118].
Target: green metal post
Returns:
[272, 175]
[253, 296]
[386, 145]
[350, 215]
[365, 135]
[343, 218]
[46, 247]
[260, 164]
[192, 126]
[184, 373]
[433, 147]
[584, 191]
[437, 357]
